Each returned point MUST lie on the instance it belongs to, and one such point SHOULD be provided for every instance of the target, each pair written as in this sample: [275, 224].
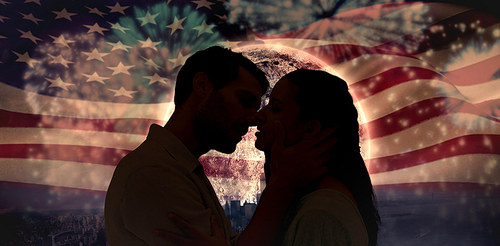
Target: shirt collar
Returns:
[173, 146]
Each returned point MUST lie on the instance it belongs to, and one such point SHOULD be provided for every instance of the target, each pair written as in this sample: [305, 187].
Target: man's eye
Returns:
[246, 102]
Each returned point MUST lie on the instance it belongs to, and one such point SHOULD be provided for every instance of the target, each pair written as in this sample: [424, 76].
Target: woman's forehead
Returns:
[283, 90]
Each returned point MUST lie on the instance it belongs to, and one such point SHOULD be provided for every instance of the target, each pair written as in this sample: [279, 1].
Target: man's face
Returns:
[224, 117]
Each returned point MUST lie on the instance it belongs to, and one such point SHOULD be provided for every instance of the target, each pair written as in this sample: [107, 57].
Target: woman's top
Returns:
[324, 217]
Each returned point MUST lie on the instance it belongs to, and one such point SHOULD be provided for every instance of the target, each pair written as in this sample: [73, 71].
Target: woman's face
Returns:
[282, 106]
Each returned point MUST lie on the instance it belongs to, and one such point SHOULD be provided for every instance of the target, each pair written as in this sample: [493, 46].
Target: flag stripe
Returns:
[431, 132]
[132, 126]
[70, 137]
[481, 92]
[403, 95]
[21, 101]
[464, 145]
[474, 168]
[417, 113]
[71, 153]
[476, 73]
[387, 79]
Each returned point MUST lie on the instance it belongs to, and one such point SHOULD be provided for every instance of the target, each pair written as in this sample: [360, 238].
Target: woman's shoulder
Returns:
[334, 211]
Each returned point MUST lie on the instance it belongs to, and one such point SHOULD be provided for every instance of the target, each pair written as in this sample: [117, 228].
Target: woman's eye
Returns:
[275, 109]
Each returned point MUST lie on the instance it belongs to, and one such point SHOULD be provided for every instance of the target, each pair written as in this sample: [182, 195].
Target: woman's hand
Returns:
[295, 166]
[193, 236]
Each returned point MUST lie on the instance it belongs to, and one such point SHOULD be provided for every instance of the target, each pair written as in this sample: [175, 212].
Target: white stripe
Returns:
[70, 137]
[21, 101]
[367, 66]
[475, 168]
[432, 132]
[299, 43]
[481, 92]
[56, 173]
[97, 177]
[403, 95]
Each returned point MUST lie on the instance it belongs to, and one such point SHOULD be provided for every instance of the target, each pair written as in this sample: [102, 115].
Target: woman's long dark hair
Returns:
[326, 98]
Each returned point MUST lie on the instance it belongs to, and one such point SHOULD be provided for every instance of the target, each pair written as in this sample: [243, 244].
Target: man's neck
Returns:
[181, 125]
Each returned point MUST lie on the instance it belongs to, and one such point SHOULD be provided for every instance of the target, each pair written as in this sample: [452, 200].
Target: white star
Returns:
[180, 60]
[63, 14]
[204, 28]
[118, 27]
[203, 3]
[117, 8]
[96, 11]
[96, 28]
[230, 44]
[29, 36]
[58, 83]
[33, 1]
[122, 92]
[3, 18]
[95, 55]
[4, 3]
[31, 18]
[118, 46]
[150, 62]
[59, 59]
[223, 18]
[149, 44]
[148, 18]
[95, 77]
[25, 58]
[120, 69]
[176, 25]
[61, 40]
[156, 78]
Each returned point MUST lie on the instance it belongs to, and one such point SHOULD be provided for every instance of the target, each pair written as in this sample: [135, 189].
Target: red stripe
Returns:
[73, 153]
[419, 112]
[218, 167]
[133, 126]
[470, 144]
[338, 53]
[476, 73]
[387, 79]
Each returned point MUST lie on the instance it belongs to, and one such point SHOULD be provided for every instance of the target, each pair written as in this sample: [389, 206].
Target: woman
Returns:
[339, 208]
[307, 101]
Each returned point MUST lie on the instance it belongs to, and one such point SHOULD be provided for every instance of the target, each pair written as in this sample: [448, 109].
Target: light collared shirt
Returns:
[159, 177]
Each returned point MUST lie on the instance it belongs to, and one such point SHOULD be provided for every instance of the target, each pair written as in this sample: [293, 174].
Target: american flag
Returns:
[81, 81]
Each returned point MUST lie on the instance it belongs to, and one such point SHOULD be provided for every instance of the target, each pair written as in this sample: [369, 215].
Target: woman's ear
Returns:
[312, 128]
[202, 85]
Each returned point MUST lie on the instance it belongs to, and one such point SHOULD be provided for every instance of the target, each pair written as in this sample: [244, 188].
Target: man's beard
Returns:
[211, 126]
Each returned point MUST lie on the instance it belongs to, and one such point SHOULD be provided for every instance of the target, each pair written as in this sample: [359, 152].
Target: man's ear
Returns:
[312, 128]
[202, 85]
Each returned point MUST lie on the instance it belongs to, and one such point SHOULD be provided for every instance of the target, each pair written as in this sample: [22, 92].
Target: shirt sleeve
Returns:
[317, 228]
[151, 193]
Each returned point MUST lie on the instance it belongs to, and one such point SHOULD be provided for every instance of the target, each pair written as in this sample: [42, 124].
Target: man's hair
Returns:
[220, 65]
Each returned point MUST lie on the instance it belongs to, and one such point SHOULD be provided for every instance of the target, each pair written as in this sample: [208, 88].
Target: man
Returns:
[217, 95]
